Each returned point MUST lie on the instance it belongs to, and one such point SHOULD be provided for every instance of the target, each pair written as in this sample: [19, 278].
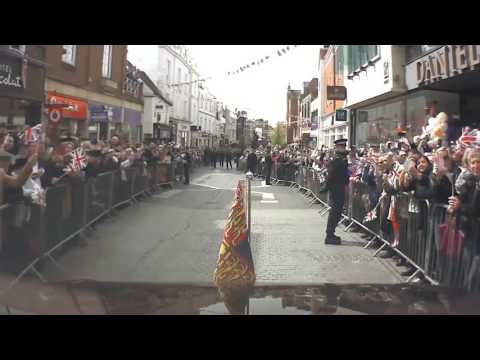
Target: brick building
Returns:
[101, 88]
[293, 106]
[22, 81]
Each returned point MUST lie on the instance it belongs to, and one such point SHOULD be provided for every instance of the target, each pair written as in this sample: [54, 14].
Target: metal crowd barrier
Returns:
[418, 239]
[71, 211]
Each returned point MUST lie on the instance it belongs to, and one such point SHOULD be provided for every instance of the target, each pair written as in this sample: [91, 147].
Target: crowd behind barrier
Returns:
[418, 204]
[73, 208]
[56, 188]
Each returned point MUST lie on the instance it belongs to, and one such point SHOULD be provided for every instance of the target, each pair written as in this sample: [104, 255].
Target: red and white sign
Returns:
[55, 115]
[74, 109]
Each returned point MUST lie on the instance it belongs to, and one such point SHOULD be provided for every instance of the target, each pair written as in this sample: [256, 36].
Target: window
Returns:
[169, 72]
[179, 80]
[360, 55]
[20, 48]
[107, 61]
[70, 54]
[373, 52]
[416, 51]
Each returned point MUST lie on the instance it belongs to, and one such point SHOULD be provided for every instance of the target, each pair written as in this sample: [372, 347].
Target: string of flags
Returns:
[263, 60]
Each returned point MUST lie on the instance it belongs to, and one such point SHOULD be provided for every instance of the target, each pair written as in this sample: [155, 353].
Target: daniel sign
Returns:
[443, 63]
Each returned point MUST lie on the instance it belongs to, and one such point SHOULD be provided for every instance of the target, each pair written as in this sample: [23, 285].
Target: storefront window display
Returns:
[377, 123]
[424, 104]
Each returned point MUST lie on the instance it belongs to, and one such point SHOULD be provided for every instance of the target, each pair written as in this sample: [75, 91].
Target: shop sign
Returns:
[100, 113]
[11, 78]
[336, 93]
[446, 62]
[76, 109]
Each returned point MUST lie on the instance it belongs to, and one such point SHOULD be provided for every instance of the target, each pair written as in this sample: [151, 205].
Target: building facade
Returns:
[442, 78]
[156, 112]
[92, 80]
[22, 84]
[331, 69]
[310, 94]
[230, 126]
[375, 81]
[293, 108]
[207, 118]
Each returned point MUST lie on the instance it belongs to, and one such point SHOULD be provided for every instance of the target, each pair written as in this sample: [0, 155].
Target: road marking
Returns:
[268, 196]
[167, 194]
[208, 186]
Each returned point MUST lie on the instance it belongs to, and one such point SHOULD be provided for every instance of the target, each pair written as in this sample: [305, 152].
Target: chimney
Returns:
[305, 87]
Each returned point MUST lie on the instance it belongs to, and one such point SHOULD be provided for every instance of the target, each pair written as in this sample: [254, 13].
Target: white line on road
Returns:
[208, 186]
[167, 194]
[269, 201]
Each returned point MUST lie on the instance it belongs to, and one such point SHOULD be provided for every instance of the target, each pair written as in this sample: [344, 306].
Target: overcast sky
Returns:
[261, 90]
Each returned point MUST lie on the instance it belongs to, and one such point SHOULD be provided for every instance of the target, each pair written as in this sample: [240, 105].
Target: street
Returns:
[175, 235]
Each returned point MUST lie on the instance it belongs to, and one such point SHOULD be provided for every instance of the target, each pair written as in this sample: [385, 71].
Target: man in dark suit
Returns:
[228, 156]
[337, 180]
[213, 158]
[268, 166]
[252, 162]
[221, 156]
[187, 161]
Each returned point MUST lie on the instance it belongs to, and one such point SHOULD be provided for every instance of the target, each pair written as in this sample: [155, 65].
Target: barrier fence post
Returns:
[249, 177]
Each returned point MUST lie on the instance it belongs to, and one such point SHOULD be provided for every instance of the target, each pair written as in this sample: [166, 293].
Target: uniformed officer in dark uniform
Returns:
[252, 162]
[337, 179]
[213, 157]
[268, 165]
[187, 161]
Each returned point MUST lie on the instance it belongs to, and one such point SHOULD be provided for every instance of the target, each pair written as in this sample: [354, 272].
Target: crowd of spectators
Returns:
[31, 162]
[393, 180]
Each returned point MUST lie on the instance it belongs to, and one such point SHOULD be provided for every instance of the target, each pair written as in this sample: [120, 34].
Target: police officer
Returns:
[268, 165]
[213, 157]
[228, 157]
[337, 179]
[187, 160]
[252, 162]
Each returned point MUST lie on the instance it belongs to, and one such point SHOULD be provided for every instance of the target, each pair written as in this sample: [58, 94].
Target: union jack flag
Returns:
[469, 138]
[31, 135]
[371, 216]
[79, 160]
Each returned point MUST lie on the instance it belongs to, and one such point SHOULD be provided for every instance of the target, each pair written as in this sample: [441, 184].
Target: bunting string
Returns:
[246, 67]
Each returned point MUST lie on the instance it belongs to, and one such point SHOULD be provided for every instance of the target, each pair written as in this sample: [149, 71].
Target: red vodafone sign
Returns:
[55, 115]
[73, 108]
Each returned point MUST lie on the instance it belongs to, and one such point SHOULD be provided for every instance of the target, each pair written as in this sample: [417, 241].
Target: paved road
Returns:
[174, 236]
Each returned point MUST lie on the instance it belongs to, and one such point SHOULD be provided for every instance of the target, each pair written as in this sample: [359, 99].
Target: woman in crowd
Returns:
[466, 205]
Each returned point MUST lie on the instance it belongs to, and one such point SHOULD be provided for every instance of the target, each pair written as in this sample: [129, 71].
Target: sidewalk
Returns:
[288, 245]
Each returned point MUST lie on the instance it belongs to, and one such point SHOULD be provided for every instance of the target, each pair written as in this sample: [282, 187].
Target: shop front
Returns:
[22, 83]
[161, 133]
[133, 125]
[331, 130]
[104, 120]
[443, 78]
[180, 131]
[73, 115]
